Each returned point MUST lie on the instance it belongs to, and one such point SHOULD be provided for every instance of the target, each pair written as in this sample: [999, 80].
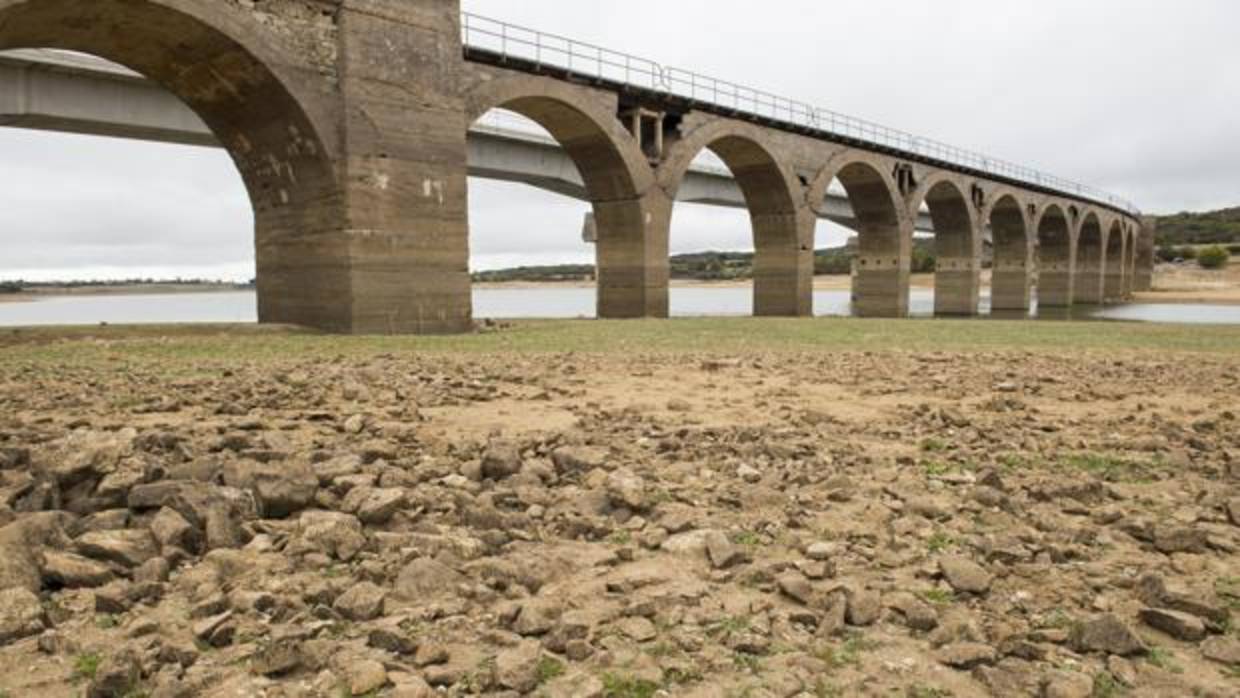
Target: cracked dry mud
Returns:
[783, 524]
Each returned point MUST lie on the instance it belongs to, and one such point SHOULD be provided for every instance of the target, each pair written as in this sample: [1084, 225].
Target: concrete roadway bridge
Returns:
[348, 122]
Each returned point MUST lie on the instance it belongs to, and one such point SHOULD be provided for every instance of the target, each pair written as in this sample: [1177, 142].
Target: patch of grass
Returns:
[1058, 619]
[1108, 467]
[1105, 686]
[939, 597]
[748, 539]
[680, 676]
[744, 661]
[549, 668]
[729, 626]
[1228, 591]
[1014, 461]
[937, 468]
[824, 689]
[85, 666]
[847, 653]
[620, 537]
[618, 686]
[939, 542]
[201, 349]
[1163, 659]
[106, 621]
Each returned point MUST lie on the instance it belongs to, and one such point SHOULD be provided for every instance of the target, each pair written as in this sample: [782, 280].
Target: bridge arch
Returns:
[1056, 280]
[885, 231]
[1090, 260]
[248, 89]
[615, 175]
[781, 223]
[957, 243]
[1012, 244]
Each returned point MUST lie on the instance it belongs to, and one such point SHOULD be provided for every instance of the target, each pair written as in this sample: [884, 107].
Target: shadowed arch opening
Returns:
[240, 88]
[956, 251]
[576, 152]
[1055, 279]
[1010, 288]
[780, 286]
[1090, 261]
[884, 246]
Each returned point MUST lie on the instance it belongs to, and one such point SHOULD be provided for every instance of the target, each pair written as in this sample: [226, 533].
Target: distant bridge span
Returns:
[349, 128]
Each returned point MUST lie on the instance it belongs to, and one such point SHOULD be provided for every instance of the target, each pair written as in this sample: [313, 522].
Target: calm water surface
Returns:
[240, 307]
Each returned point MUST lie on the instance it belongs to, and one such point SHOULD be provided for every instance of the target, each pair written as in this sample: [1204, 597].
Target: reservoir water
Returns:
[516, 303]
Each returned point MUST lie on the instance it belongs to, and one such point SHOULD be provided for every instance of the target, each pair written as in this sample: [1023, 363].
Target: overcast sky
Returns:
[1139, 97]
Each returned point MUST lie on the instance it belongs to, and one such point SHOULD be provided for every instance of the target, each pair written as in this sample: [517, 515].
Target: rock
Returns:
[276, 657]
[116, 676]
[966, 655]
[501, 460]
[283, 489]
[1169, 538]
[171, 530]
[517, 668]
[536, 617]
[571, 460]
[1223, 649]
[114, 598]
[1123, 670]
[18, 562]
[361, 602]
[637, 629]
[723, 553]
[749, 474]
[964, 575]
[426, 578]
[918, 615]
[1233, 511]
[412, 687]
[153, 495]
[21, 615]
[329, 533]
[796, 587]
[431, 654]
[820, 551]
[1106, 634]
[864, 607]
[366, 677]
[214, 630]
[74, 571]
[1066, 685]
[393, 640]
[155, 570]
[626, 489]
[129, 547]
[375, 506]
[1181, 626]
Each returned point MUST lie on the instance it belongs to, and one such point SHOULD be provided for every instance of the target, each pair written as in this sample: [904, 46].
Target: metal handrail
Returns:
[543, 49]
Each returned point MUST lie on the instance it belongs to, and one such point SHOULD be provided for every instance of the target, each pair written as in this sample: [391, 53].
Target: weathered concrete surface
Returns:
[1144, 262]
[347, 120]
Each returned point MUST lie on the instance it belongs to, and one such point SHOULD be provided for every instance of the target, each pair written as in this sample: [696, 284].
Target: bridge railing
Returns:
[550, 50]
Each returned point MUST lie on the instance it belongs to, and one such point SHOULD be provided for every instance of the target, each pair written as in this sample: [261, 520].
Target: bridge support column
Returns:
[633, 264]
[404, 244]
[957, 286]
[1143, 279]
[1056, 285]
[1009, 285]
[880, 286]
[1089, 282]
[783, 273]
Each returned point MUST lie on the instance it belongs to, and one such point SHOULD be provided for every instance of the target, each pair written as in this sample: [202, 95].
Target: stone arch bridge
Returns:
[348, 121]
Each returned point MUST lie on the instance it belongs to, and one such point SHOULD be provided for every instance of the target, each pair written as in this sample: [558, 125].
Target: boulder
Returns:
[723, 553]
[626, 489]
[426, 578]
[361, 602]
[21, 615]
[128, 547]
[74, 571]
[501, 460]
[964, 575]
[1106, 634]
[571, 460]
[517, 668]
[1181, 626]
[331, 533]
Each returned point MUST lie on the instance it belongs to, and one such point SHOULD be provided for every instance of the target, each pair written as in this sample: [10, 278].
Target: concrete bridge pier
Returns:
[1090, 264]
[1113, 268]
[783, 273]
[1144, 272]
[632, 257]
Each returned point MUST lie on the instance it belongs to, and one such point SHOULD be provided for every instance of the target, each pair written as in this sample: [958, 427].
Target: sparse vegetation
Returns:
[939, 597]
[939, 542]
[1163, 659]
[620, 686]
[549, 668]
[85, 666]
[1213, 257]
[1108, 467]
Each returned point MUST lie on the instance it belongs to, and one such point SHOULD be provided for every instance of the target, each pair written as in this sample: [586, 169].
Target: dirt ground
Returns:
[621, 525]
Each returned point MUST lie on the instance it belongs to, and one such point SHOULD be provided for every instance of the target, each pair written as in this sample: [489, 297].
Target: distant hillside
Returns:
[706, 266]
[1200, 228]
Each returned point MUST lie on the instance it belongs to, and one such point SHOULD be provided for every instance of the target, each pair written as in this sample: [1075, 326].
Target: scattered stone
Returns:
[796, 587]
[964, 575]
[517, 668]
[21, 615]
[723, 552]
[966, 655]
[74, 571]
[361, 602]
[366, 677]
[1181, 626]
[501, 460]
[1106, 634]
[1223, 649]
[626, 489]
[638, 629]
[129, 548]
[864, 607]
